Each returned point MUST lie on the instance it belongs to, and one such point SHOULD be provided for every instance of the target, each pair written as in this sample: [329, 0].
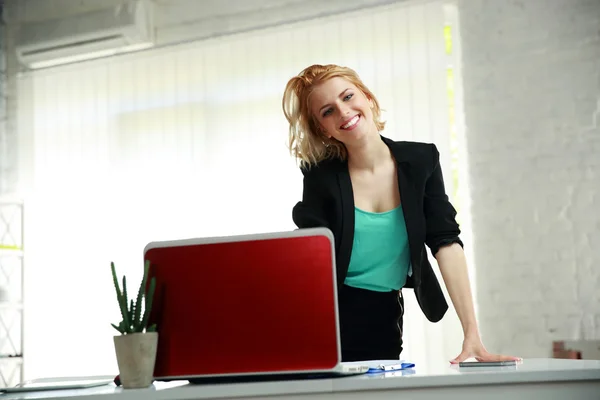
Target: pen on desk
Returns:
[395, 367]
[392, 367]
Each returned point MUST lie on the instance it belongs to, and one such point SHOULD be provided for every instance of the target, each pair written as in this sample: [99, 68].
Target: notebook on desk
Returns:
[251, 305]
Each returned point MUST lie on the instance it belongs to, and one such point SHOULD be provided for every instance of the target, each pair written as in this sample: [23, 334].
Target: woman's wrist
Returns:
[471, 332]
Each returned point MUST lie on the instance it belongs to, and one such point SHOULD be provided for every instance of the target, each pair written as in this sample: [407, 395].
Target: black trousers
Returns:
[370, 324]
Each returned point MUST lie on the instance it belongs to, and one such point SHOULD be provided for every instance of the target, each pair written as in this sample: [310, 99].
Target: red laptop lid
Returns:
[242, 305]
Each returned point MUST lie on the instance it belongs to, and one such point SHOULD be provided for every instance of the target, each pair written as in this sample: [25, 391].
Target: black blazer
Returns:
[328, 201]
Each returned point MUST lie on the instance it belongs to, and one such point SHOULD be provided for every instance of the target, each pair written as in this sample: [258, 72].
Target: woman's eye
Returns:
[327, 112]
[348, 97]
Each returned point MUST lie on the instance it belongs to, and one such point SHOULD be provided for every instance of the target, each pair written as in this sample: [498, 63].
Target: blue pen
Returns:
[391, 367]
[395, 367]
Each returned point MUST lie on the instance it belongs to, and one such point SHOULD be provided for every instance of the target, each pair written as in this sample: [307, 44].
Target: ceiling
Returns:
[167, 11]
[182, 20]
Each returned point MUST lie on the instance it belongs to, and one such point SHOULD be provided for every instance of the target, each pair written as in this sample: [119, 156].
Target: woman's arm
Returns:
[443, 239]
[453, 265]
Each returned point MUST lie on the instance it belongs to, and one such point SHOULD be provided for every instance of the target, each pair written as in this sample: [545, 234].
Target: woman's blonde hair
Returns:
[307, 142]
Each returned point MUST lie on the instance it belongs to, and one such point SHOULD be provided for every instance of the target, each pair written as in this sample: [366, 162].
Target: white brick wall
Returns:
[8, 114]
[3, 116]
[531, 72]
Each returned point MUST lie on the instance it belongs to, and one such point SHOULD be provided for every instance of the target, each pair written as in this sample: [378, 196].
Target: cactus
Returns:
[133, 320]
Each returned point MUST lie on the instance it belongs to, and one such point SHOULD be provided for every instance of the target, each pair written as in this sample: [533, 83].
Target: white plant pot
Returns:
[136, 355]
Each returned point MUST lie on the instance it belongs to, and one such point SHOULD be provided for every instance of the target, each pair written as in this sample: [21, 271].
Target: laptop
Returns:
[261, 305]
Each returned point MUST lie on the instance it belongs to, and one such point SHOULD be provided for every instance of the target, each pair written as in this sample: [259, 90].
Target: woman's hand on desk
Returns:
[473, 347]
[453, 265]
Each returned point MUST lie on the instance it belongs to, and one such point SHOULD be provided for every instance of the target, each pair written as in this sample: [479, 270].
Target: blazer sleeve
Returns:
[310, 212]
[441, 225]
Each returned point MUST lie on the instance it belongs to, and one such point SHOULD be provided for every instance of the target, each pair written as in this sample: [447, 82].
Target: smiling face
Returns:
[329, 108]
[343, 111]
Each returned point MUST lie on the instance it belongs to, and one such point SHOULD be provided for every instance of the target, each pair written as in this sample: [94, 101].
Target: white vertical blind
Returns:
[189, 141]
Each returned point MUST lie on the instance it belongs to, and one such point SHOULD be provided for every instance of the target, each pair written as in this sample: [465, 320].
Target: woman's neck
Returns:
[369, 155]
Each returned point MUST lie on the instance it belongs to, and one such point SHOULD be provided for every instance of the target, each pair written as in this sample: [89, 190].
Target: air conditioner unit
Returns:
[109, 31]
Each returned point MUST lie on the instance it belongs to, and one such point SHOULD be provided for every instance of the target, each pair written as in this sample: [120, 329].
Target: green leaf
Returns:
[134, 323]
[126, 312]
[131, 311]
[138, 303]
[149, 296]
[117, 289]
[118, 328]
[125, 289]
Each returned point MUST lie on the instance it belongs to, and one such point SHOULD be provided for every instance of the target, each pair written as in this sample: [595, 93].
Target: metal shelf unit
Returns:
[12, 271]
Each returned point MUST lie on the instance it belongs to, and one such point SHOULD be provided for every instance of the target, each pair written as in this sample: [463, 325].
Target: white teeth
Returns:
[352, 122]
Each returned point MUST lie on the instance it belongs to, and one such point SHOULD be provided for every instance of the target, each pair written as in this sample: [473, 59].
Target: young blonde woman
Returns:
[384, 201]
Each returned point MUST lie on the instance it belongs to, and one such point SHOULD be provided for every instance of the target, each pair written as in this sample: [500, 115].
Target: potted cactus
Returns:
[136, 345]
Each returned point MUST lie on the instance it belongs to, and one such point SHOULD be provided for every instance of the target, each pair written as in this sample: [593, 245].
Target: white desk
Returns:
[533, 379]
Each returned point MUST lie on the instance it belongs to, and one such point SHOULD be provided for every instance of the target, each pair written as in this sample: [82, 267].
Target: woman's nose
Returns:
[344, 111]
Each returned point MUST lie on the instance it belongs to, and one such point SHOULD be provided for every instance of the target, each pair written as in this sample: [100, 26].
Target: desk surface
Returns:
[536, 371]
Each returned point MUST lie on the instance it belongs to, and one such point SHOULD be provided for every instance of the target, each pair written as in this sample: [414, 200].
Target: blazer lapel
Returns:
[410, 210]
[410, 206]
[347, 228]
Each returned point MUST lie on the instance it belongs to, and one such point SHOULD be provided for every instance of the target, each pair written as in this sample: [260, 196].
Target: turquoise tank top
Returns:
[380, 258]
